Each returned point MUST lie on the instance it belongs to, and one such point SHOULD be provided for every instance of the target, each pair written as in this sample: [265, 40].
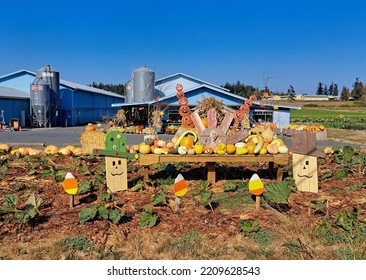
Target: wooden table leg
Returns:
[211, 172]
[146, 174]
[279, 173]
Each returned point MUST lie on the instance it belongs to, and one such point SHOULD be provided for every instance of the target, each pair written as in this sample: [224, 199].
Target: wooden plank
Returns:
[211, 172]
[212, 118]
[211, 160]
[226, 122]
[237, 137]
[196, 119]
[116, 174]
[305, 172]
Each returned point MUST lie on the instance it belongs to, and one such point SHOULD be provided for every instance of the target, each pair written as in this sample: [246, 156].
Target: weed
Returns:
[79, 243]
[148, 218]
[253, 230]
[189, 244]
[296, 249]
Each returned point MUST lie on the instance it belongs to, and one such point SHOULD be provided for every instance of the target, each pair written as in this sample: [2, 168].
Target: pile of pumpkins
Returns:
[187, 143]
[49, 150]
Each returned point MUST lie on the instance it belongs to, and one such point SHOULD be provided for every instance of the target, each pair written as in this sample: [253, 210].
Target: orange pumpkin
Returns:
[90, 127]
[205, 122]
[187, 142]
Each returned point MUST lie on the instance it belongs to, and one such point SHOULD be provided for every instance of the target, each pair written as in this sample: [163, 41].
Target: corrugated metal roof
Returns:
[69, 84]
[6, 92]
[161, 99]
[190, 77]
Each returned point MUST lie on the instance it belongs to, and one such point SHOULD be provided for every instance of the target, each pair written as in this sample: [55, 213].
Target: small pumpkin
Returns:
[90, 127]
[182, 150]
[78, 152]
[144, 148]
[205, 122]
[4, 147]
[191, 151]
[283, 149]
[173, 151]
[51, 149]
[272, 149]
[149, 141]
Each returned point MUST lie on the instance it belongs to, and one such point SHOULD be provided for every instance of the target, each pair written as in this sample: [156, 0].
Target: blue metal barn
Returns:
[80, 104]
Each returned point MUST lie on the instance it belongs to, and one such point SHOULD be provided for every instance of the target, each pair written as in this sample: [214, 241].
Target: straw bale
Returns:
[91, 140]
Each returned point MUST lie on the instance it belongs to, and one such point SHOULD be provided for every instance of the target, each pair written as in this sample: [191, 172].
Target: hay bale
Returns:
[91, 140]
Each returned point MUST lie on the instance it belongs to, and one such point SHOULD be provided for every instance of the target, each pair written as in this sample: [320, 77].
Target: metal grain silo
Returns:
[129, 92]
[52, 78]
[40, 102]
[143, 84]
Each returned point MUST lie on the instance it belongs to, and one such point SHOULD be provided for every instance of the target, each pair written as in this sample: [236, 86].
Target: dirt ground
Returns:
[192, 232]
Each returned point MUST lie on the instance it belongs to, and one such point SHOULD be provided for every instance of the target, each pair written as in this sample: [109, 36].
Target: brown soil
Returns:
[221, 237]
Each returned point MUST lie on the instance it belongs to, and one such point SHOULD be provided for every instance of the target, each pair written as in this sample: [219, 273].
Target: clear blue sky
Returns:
[273, 43]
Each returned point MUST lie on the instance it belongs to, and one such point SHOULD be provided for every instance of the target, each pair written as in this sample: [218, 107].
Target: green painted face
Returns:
[115, 141]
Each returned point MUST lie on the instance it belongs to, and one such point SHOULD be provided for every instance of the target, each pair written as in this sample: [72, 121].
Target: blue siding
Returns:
[12, 109]
[79, 107]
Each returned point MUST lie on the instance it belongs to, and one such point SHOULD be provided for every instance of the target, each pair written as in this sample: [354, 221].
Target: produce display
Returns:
[187, 142]
[306, 127]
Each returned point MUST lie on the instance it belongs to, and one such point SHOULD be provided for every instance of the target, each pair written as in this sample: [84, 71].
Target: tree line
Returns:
[358, 91]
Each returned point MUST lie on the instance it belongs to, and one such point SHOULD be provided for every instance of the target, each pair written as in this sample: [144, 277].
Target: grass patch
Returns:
[233, 202]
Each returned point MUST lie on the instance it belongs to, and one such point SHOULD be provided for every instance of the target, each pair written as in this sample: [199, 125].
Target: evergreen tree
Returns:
[291, 93]
[358, 90]
[335, 90]
[319, 90]
[345, 94]
[325, 92]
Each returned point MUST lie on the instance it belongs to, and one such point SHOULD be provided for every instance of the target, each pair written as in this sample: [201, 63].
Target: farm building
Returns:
[195, 90]
[25, 95]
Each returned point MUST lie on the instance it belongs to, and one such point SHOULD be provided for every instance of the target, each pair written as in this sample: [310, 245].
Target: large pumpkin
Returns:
[187, 142]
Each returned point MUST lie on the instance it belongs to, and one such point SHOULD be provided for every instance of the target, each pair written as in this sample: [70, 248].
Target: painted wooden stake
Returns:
[256, 187]
[180, 189]
[257, 202]
[71, 201]
[71, 187]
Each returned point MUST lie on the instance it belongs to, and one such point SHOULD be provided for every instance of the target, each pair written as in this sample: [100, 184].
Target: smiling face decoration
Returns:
[305, 172]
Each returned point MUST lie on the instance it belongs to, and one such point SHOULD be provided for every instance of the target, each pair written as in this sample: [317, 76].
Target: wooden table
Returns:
[281, 160]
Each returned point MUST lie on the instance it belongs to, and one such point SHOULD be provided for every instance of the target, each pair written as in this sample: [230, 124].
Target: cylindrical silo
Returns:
[52, 78]
[143, 84]
[129, 92]
[40, 102]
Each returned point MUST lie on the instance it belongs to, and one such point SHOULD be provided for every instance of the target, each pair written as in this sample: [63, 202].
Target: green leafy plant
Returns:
[148, 218]
[107, 210]
[205, 195]
[239, 186]
[10, 208]
[253, 230]
[159, 199]
[277, 193]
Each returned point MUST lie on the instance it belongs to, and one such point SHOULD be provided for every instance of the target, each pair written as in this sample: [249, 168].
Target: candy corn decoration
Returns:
[180, 186]
[256, 187]
[70, 184]
[71, 187]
